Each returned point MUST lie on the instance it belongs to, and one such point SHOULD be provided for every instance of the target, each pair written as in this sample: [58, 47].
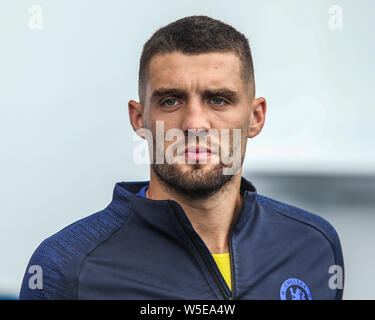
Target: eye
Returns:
[170, 102]
[218, 101]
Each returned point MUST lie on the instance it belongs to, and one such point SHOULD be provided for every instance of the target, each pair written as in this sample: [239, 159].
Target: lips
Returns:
[197, 153]
[197, 149]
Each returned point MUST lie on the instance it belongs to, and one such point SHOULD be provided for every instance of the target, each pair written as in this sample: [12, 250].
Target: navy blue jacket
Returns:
[137, 248]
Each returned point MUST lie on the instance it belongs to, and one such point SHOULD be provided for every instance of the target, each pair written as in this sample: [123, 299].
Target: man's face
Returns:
[200, 92]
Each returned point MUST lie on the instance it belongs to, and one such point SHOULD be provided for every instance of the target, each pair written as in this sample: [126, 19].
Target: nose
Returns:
[196, 116]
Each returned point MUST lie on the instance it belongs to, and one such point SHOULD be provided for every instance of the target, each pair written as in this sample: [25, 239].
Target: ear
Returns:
[135, 115]
[257, 116]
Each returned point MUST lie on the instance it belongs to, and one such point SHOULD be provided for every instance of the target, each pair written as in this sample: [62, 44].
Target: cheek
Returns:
[236, 122]
[159, 125]
[170, 120]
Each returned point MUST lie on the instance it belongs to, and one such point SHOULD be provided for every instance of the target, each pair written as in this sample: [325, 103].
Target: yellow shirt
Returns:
[223, 262]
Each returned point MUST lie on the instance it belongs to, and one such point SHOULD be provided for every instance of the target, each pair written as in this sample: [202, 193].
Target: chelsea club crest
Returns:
[295, 289]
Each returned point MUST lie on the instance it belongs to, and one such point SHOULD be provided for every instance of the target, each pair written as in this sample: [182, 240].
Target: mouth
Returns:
[197, 153]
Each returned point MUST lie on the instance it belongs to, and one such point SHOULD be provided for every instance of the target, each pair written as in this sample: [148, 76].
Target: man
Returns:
[197, 229]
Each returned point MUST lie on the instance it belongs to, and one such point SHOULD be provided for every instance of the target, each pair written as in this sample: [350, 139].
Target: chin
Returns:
[193, 180]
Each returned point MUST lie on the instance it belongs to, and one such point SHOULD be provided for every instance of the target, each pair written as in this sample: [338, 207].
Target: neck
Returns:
[211, 217]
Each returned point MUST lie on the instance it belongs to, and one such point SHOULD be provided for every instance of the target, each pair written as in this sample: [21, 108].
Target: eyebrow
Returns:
[182, 94]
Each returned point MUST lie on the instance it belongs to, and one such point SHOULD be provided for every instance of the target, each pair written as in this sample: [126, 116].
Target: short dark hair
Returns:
[195, 35]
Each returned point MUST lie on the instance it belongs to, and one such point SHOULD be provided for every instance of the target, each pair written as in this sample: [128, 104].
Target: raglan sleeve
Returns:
[47, 276]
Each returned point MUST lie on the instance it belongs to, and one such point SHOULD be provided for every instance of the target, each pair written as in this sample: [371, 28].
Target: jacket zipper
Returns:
[216, 280]
[233, 284]
[210, 269]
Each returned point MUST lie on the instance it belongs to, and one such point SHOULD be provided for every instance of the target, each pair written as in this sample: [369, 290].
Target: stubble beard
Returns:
[194, 181]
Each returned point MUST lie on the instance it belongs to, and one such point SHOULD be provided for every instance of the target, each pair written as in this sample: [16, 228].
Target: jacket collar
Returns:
[168, 218]
[125, 200]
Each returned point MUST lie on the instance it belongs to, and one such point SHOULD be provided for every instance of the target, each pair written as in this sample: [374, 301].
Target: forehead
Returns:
[199, 71]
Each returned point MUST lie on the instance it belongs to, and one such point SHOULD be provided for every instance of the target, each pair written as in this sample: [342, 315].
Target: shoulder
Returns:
[297, 218]
[59, 257]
